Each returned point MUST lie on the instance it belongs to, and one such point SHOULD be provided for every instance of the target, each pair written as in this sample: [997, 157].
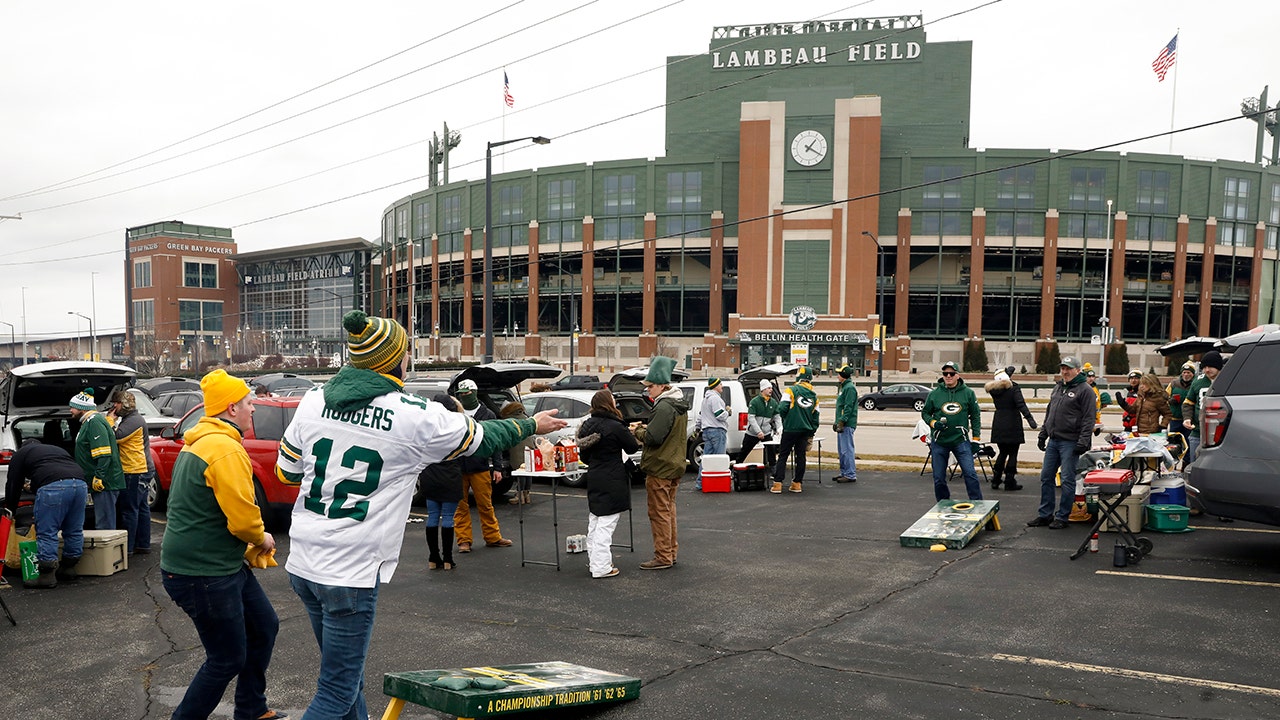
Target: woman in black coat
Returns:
[602, 439]
[441, 485]
[1006, 427]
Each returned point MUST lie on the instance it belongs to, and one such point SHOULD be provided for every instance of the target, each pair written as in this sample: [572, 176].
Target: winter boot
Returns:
[446, 540]
[67, 569]
[47, 579]
[995, 481]
[433, 547]
[795, 488]
[776, 488]
[1010, 483]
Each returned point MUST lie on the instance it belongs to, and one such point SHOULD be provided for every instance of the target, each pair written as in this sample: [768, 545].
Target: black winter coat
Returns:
[1011, 408]
[601, 442]
[442, 482]
[472, 464]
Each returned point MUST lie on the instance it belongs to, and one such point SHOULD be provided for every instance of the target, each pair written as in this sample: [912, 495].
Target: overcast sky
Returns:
[88, 86]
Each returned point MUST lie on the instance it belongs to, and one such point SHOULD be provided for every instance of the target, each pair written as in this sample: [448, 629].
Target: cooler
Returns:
[716, 481]
[748, 476]
[715, 463]
[105, 552]
[1132, 511]
[1169, 489]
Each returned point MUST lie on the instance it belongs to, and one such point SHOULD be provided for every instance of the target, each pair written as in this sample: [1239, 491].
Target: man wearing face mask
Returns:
[477, 474]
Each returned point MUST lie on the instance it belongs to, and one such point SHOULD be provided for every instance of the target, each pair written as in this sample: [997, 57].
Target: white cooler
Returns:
[715, 463]
[105, 552]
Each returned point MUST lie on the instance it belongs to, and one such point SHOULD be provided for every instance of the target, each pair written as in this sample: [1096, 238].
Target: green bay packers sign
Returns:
[477, 692]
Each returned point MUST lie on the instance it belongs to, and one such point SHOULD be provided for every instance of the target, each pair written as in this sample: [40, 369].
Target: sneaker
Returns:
[272, 715]
[795, 487]
[611, 573]
[1057, 524]
[776, 489]
[655, 564]
[1039, 522]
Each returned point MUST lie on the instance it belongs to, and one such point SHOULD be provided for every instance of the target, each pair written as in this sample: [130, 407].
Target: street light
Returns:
[488, 236]
[12, 342]
[880, 311]
[91, 335]
[93, 310]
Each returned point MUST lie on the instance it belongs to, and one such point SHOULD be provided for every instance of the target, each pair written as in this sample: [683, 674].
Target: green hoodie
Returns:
[353, 388]
[956, 405]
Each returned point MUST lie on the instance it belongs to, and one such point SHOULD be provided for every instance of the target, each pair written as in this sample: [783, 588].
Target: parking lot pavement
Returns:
[781, 605]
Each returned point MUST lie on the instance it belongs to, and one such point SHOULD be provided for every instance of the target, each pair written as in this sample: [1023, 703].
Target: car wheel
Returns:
[694, 455]
[264, 507]
[579, 481]
[918, 406]
[868, 404]
[156, 496]
[503, 486]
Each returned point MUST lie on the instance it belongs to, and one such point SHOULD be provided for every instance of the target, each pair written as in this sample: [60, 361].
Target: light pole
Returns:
[24, 324]
[86, 317]
[880, 311]
[488, 236]
[1106, 295]
[12, 342]
[93, 310]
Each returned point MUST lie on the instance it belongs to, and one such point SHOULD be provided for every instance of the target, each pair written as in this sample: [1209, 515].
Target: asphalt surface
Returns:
[780, 606]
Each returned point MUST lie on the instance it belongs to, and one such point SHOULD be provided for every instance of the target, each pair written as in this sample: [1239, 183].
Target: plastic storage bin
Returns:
[1167, 518]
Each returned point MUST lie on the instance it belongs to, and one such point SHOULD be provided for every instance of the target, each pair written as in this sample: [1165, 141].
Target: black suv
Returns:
[1235, 471]
[578, 382]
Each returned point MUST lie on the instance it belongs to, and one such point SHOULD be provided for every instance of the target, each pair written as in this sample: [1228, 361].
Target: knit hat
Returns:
[804, 375]
[713, 383]
[845, 371]
[1009, 371]
[1001, 376]
[375, 343]
[1071, 362]
[1212, 359]
[84, 400]
[765, 385]
[660, 371]
[1188, 366]
[1135, 373]
[221, 391]
[1087, 367]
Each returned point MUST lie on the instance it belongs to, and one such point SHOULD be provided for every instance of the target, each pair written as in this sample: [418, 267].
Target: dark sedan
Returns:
[903, 395]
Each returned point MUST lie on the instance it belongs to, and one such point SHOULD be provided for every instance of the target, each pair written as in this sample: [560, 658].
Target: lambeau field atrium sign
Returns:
[882, 49]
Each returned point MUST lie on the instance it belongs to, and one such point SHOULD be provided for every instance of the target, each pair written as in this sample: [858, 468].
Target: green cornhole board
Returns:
[535, 686]
[946, 525]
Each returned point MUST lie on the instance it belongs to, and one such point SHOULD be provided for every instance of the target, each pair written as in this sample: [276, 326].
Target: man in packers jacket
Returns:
[99, 456]
[798, 407]
[356, 446]
[948, 409]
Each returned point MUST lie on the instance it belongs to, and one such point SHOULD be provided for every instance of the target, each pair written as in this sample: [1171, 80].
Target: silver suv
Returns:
[1235, 471]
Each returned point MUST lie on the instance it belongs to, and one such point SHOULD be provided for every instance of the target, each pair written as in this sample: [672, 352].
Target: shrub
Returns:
[1117, 359]
[975, 356]
[1048, 358]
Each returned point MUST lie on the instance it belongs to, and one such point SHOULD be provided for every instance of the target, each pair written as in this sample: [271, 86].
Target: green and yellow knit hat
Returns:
[375, 343]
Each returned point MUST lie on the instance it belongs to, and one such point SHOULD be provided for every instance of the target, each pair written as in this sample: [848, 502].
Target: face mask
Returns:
[469, 401]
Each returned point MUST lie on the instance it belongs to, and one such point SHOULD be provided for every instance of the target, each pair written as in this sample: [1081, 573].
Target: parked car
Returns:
[34, 402]
[901, 395]
[578, 382]
[157, 386]
[277, 383]
[155, 418]
[261, 439]
[1234, 473]
[177, 403]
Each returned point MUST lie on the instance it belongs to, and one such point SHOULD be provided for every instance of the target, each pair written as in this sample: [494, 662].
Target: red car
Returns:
[271, 416]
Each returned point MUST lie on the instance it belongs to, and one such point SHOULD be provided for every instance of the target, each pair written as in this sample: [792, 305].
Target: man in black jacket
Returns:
[61, 492]
[1064, 436]
[477, 474]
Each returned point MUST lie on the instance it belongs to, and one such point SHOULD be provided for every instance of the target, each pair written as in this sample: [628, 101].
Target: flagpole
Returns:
[1174, 103]
[503, 157]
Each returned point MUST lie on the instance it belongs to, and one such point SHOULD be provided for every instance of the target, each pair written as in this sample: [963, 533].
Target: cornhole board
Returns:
[534, 686]
[951, 526]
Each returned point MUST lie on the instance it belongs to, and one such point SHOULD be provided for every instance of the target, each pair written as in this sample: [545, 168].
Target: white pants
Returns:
[599, 538]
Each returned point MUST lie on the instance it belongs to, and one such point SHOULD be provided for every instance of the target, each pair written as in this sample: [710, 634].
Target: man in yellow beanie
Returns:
[212, 519]
[356, 449]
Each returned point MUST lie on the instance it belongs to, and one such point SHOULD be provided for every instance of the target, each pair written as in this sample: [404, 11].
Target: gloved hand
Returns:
[838, 426]
[1042, 443]
[974, 447]
[942, 421]
[1081, 449]
[1032, 423]
[98, 485]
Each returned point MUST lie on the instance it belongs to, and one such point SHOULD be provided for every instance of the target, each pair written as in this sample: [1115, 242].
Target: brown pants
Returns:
[661, 495]
[481, 485]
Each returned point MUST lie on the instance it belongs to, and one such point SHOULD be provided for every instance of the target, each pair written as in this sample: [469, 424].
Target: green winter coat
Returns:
[957, 405]
[799, 409]
[97, 452]
[665, 438]
[1191, 403]
[847, 404]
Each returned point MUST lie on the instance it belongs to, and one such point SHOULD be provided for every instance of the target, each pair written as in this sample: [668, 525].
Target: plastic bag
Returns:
[548, 452]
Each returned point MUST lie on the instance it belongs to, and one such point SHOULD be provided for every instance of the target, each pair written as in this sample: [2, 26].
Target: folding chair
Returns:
[6, 522]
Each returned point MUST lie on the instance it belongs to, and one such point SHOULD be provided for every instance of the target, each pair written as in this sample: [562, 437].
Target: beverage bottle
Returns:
[1093, 543]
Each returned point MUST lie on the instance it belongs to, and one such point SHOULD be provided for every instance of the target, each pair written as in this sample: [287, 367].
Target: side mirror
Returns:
[166, 411]
[170, 432]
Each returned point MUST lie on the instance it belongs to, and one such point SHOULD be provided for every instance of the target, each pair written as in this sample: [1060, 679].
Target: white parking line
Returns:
[1237, 529]
[1140, 674]
[1187, 578]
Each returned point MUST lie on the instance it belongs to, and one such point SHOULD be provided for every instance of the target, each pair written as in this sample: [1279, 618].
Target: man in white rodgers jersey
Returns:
[356, 447]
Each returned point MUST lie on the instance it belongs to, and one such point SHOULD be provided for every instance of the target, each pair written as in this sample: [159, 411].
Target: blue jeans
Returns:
[140, 533]
[940, 456]
[844, 446]
[60, 506]
[237, 627]
[440, 513]
[342, 620]
[1059, 458]
[1193, 444]
[127, 507]
[104, 509]
[713, 443]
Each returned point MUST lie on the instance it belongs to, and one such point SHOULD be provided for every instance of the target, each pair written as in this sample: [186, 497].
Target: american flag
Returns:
[511, 101]
[1166, 58]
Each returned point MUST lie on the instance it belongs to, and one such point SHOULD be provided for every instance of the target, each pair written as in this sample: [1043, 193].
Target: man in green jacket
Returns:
[98, 455]
[799, 409]
[664, 440]
[846, 423]
[949, 407]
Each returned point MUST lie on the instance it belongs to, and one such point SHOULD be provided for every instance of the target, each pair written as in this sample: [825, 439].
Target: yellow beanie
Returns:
[221, 391]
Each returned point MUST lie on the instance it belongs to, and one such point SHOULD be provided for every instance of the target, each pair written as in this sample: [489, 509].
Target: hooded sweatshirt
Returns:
[799, 408]
[958, 406]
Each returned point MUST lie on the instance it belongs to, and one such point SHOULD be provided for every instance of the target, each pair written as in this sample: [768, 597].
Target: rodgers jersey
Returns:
[356, 471]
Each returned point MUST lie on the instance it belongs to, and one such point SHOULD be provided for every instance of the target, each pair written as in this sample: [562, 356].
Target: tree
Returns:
[1048, 359]
[1117, 359]
[975, 355]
